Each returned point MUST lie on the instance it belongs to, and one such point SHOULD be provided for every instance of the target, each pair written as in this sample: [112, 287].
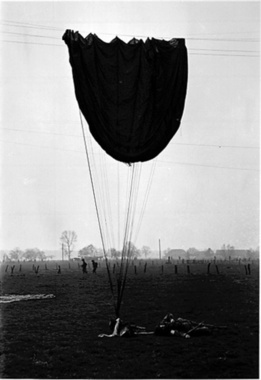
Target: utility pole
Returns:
[159, 250]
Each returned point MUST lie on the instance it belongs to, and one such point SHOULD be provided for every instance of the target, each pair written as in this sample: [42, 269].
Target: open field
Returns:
[58, 338]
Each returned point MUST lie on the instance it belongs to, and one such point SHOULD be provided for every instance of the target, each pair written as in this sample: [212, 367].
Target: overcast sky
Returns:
[205, 187]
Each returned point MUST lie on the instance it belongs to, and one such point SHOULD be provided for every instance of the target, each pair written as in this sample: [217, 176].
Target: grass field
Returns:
[58, 338]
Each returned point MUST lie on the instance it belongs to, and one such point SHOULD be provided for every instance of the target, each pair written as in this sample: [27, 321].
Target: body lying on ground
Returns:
[119, 328]
[181, 327]
[168, 326]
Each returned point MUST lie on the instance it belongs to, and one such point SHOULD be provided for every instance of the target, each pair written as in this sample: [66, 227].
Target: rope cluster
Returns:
[102, 199]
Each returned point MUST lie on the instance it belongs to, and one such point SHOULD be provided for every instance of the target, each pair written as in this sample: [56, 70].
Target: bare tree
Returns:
[146, 251]
[115, 254]
[68, 239]
[33, 254]
[131, 250]
[89, 251]
[5, 257]
[16, 254]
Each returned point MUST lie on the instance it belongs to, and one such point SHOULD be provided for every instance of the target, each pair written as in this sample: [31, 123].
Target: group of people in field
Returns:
[168, 326]
[84, 266]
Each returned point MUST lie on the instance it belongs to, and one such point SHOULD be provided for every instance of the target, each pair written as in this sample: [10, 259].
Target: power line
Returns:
[46, 27]
[40, 132]
[207, 166]
[19, 24]
[218, 145]
[217, 52]
[191, 49]
[31, 43]
[214, 55]
[171, 143]
[160, 161]
[31, 35]
[41, 146]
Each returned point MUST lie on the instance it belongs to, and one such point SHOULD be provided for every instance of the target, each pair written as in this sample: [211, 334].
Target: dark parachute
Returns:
[132, 94]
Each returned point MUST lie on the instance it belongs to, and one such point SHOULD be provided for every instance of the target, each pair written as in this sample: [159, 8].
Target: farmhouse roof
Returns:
[176, 252]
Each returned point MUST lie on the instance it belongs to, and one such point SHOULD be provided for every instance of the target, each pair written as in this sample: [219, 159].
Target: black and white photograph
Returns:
[129, 208]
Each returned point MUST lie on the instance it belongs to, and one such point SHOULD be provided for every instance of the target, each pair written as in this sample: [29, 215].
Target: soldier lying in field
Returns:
[167, 327]
[181, 327]
[122, 329]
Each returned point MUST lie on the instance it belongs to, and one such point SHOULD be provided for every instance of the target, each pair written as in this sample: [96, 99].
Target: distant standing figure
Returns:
[84, 266]
[94, 266]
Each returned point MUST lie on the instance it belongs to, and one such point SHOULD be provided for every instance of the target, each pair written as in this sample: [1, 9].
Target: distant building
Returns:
[233, 254]
[177, 254]
[207, 254]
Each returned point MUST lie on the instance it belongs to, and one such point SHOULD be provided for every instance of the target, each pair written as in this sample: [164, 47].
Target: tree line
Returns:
[68, 240]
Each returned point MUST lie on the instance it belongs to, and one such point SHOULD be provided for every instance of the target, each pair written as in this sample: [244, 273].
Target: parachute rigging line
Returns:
[97, 211]
[124, 256]
[133, 185]
[145, 199]
[118, 181]
[126, 250]
[105, 196]
[100, 195]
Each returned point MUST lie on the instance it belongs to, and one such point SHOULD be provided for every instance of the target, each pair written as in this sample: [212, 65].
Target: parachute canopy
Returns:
[132, 94]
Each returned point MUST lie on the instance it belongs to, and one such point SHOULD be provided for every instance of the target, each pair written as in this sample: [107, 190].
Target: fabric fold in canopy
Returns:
[132, 95]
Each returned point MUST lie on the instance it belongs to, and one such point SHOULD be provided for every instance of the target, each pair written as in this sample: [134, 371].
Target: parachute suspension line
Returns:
[98, 187]
[129, 210]
[127, 195]
[103, 196]
[135, 196]
[123, 254]
[145, 199]
[119, 224]
[106, 197]
[97, 211]
[127, 235]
